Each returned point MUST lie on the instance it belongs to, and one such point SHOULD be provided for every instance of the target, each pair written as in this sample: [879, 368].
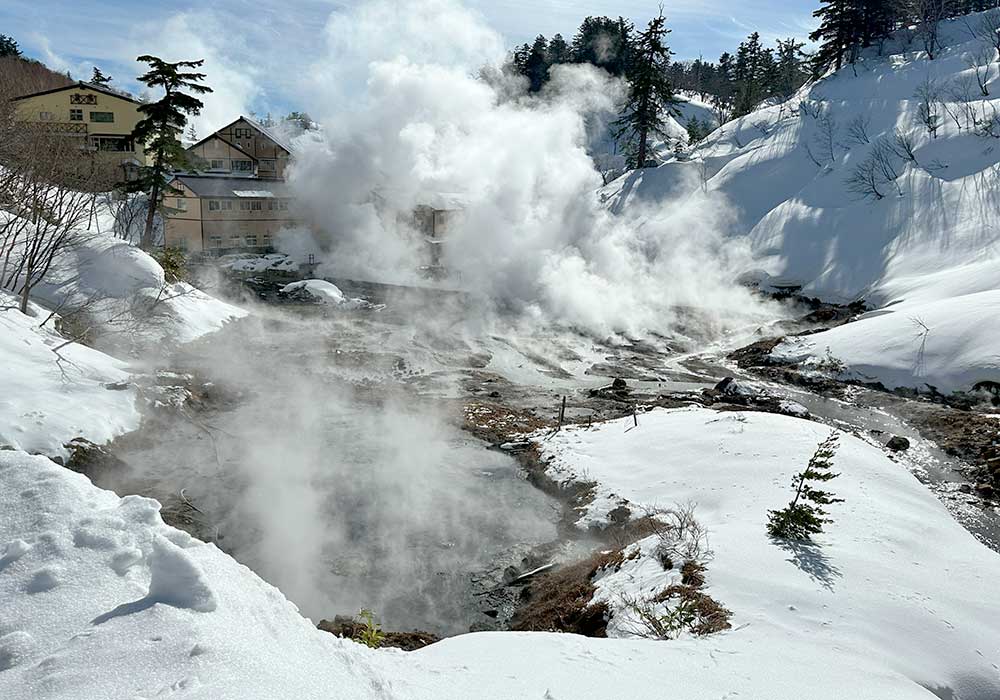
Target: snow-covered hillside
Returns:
[922, 240]
[895, 600]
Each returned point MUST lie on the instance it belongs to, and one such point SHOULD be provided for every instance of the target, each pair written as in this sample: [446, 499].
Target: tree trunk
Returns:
[25, 293]
[641, 157]
[146, 242]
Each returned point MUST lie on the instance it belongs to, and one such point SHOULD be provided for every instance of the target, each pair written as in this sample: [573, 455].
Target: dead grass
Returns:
[709, 615]
[560, 601]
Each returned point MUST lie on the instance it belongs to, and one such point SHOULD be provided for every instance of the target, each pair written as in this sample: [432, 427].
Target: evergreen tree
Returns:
[536, 65]
[159, 130]
[98, 78]
[605, 43]
[838, 32]
[791, 68]
[192, 134]
[804, 515]
[651, 96]
[559, 51]
[8, 47]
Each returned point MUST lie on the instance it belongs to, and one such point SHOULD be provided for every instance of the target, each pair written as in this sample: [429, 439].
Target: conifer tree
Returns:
[838, 32]
[160, 128]
[804, 515]
[8, 47]
[98, 77]
[651, 95]
[536, 64]
[559, 51]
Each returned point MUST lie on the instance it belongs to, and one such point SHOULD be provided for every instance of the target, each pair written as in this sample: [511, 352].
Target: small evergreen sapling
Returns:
[804, 516]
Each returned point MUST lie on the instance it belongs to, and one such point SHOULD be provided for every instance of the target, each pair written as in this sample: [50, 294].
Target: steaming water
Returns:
[338, 485]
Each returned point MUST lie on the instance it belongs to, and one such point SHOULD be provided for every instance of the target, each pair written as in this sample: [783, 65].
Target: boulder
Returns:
[898, 444]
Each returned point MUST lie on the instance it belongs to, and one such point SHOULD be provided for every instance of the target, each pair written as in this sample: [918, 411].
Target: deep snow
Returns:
[929, 249]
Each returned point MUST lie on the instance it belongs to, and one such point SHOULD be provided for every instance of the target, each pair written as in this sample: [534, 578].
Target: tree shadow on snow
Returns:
[809, 558]
[125, 609]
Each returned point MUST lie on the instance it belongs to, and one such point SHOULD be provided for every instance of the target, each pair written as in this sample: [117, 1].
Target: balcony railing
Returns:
[60, 128]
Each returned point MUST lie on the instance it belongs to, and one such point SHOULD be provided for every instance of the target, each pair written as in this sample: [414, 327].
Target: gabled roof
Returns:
[80, 85]
[269, 134]
[228, 143]
[215, 186]
[281, 143]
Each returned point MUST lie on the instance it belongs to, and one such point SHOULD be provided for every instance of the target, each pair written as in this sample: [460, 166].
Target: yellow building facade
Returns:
[100, 118]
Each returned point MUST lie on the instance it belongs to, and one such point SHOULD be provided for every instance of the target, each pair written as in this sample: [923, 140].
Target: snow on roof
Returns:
[215, 186]
[253, 193]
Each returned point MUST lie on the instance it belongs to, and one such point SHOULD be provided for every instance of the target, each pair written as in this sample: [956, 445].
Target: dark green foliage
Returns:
[804, 516]
[8, 47]
[160, 129]
[651, 97]
[697, 129]
[98, 78]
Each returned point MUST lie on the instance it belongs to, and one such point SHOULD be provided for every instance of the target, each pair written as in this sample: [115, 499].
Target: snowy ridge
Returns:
[923, 250]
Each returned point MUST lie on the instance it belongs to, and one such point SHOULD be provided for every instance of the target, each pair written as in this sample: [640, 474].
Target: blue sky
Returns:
[256, 46]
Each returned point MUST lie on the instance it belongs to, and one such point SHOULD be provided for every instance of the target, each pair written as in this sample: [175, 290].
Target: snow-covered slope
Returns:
[51, 394]
[894, 601]
[930, 240]
[894, 589]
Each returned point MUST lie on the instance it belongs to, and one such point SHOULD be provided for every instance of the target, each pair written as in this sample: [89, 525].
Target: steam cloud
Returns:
[534, 235]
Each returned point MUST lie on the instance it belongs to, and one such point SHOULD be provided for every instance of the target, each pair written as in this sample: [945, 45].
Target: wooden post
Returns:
[562, 411]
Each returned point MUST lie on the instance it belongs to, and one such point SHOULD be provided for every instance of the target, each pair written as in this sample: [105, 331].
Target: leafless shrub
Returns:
[864, 180]
[961, 93]
[981, 63]
[857, 130]
[988, 28]
[680, 537]
[903, 145]
[928, 96]
[926, 15]
[674, 611]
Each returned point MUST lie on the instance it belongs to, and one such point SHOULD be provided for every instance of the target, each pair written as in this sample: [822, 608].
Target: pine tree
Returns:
[838, 33]
[605, 43]
[651, 95]
[559, 51]
[9, 47]
[160, 128]
[98, 78]
[804, 515]
[791, 69]
[536, 66]
[192, 134]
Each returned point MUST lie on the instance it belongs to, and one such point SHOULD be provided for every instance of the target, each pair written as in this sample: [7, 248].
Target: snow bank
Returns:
[317, 289]
[948, 345]
[895, 596]
[47, 399]
[109, 278]
[102, 600]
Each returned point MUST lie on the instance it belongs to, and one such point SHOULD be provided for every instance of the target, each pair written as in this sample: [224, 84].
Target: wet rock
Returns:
[898, 443]
[985, 490]
[117, 386]
[619, 384]
[965, 488]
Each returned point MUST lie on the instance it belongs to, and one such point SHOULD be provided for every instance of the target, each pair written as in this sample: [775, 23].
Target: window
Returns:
[234, 240]
[227, 205]
[218, 165]
[243, 166]
[256, 205]
[267, 239]
[215, 241]
[47, 116]
[182, 244]
[182, 204]
[244, 205]
[213, 205]
[112, 143]
[270, 205]
[78, 99]
[241, 133]
[107, 117]
[251, 239]
[76, 115]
